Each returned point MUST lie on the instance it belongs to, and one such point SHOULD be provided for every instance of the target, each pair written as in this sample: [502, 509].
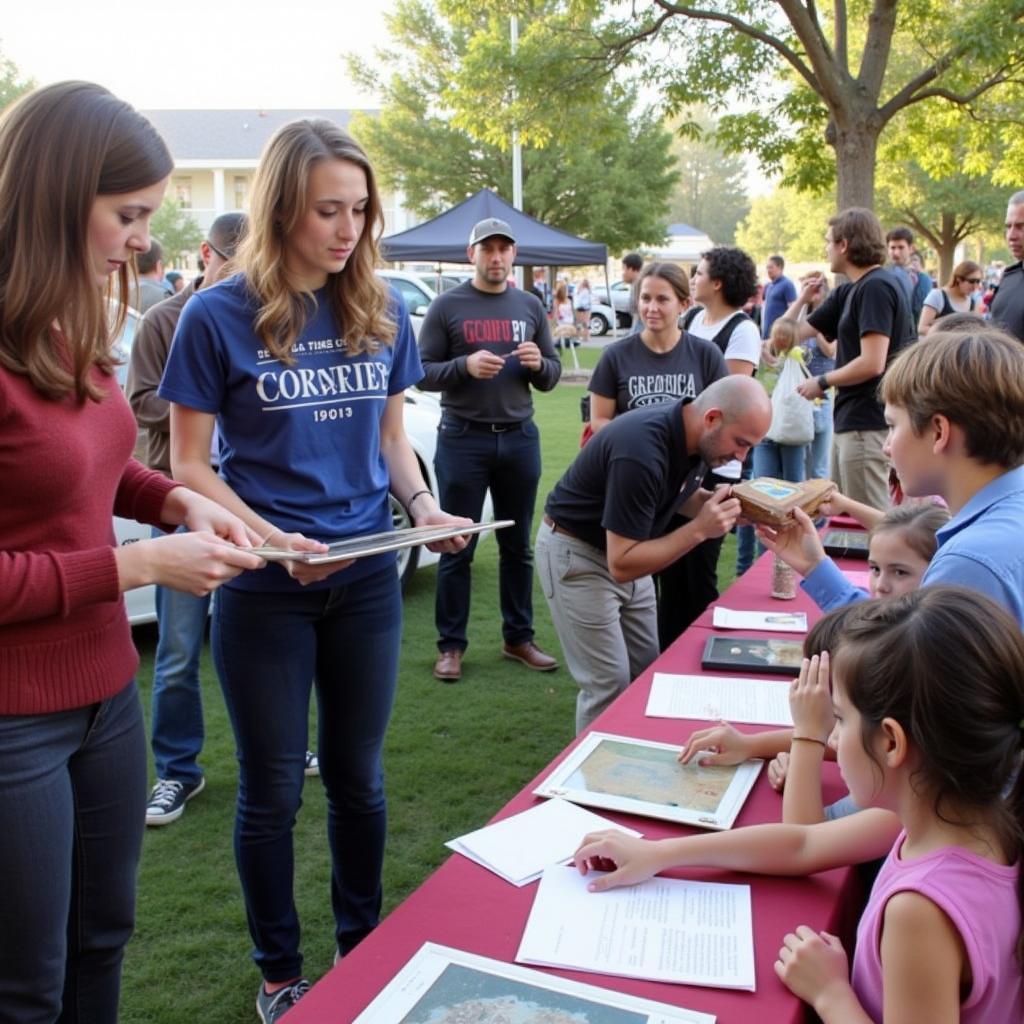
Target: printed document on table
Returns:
[770, 622]
[665, 929]
[519, 848]
[756, 701]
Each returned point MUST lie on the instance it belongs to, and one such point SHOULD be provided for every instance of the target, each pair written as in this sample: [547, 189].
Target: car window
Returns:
[414, 296]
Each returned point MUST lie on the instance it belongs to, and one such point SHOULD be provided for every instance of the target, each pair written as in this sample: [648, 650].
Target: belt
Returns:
[492, 428]
[555, 528]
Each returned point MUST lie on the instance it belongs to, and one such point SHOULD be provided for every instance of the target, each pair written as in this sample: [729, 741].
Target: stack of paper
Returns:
[519, 848]
[714, 698]
[665, 929]
[770, 622]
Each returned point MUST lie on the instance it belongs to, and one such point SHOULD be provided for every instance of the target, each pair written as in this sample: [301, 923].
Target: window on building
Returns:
[183, 192]
[241, 191]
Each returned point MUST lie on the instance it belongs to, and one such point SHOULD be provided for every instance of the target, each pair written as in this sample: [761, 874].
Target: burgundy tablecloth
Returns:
[465, 906]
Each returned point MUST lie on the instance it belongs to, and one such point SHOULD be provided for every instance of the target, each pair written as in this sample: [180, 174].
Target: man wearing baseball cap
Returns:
[484, 345]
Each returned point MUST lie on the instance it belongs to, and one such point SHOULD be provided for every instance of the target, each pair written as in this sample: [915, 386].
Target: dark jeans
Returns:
[469, 460]
[270, 649]
[686, 587]
[72, 807]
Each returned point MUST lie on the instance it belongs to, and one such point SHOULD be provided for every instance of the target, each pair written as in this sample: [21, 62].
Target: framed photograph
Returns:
[772, 656]
[378, 543]
[846, 543]
[642, 777]
[441, 985]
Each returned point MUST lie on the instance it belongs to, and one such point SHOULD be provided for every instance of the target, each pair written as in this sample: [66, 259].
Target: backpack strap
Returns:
[689, 316]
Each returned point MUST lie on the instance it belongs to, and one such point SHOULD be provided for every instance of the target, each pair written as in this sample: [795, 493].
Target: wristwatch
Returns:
[823, 382]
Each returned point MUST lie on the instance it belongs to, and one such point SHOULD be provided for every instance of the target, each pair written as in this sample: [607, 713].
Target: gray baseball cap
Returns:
[483, 229]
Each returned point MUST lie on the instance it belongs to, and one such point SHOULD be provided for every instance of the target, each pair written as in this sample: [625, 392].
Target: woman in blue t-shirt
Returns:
[302, 359]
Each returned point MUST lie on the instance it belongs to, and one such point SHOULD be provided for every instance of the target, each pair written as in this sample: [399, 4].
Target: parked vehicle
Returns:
[601, 318]
[417, 294]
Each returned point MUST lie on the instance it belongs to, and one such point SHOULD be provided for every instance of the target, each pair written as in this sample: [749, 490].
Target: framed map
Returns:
[642, 777]
[846, 543]
[441, 985]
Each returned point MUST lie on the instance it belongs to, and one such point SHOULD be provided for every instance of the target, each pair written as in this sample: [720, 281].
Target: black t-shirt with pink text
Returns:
[465, 320]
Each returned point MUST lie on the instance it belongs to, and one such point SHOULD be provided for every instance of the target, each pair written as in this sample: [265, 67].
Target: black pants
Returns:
[686, 587]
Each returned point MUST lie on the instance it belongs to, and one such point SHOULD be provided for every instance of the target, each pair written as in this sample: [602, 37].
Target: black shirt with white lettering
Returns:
[629, 478]
[635, 376]
[465, 320]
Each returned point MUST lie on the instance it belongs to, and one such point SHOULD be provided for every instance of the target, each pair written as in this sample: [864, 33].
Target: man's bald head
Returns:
[727, 419]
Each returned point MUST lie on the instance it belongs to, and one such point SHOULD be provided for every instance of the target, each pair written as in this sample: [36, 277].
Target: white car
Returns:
[417, 293]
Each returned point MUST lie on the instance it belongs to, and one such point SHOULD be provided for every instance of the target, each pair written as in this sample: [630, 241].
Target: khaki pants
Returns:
[608, 630]
[860, 468]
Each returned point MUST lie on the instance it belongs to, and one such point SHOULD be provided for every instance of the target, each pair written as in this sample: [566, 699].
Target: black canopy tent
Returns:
[444, 239]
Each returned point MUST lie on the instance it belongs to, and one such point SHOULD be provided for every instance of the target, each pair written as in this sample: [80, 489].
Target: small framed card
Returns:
[845, 543]
[772, 656]
[642, 777]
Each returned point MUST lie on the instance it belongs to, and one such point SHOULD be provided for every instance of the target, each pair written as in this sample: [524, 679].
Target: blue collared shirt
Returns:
[979, 548]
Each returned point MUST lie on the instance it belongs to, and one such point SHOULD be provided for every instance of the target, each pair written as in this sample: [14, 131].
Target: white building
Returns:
[216, 152]
[684, 244]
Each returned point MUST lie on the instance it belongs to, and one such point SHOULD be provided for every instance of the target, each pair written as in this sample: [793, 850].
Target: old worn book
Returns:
[770, 501]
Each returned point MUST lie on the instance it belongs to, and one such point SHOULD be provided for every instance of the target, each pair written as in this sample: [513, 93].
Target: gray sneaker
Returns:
[273, 1007]
[312, 764]
[167, 801]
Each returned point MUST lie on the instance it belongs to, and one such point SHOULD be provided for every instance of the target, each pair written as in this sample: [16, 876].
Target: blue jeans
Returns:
[270, 649]
[819, 454]
[781, 461]
[469, 460]
[177, 697]
[72, 807]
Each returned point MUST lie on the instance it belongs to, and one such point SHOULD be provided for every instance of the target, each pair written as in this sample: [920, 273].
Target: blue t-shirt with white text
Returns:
[300, 444]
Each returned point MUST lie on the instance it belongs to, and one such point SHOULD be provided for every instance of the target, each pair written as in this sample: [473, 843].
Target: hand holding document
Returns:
[713, 698]
[770, 622]
[519, 848]
[664, 929]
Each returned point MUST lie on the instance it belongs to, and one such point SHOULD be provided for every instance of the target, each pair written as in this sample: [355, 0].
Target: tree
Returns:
[711, 193]
[176, 230]
[592, 165]
[788, 222]
[12, 85]
[820, 87]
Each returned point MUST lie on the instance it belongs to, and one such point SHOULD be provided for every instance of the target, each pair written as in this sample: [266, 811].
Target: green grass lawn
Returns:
[455, 755]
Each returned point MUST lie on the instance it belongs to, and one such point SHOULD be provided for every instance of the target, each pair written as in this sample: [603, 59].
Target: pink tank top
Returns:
[981, 900]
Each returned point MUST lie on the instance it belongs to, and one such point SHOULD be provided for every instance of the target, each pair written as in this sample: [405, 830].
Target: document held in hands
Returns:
[664, 929]
[519, 848]
[770, 622]
[712, 698]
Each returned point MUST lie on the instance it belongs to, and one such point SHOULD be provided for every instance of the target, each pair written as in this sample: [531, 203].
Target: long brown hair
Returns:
[947, 663]
[280, 198]
[60, 148]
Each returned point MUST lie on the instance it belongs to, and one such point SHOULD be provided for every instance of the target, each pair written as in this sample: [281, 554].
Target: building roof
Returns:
[683, 231]
[228, 134]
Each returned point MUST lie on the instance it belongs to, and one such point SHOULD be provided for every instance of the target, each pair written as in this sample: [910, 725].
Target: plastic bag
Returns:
[792, 414]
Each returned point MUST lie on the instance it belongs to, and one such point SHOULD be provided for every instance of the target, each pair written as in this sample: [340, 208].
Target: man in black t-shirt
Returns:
[1008, 305]
[869, 316]
[607, 527]
[484, 346]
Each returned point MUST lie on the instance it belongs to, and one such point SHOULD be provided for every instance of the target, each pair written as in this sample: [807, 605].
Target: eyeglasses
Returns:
[972, 280]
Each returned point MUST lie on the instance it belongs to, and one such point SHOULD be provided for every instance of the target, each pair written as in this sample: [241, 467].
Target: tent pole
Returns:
[611, 303]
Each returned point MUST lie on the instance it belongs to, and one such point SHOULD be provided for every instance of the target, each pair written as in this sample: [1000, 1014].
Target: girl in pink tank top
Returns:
[928, 696]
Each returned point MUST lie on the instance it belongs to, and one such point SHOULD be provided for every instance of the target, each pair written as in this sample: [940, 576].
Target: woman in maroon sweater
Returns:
[80, 174]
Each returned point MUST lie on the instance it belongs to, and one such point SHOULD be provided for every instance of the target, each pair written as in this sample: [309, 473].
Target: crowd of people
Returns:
[271, 392]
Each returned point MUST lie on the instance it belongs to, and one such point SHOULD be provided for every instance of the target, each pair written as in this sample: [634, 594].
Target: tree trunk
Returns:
[856, 147]
[947, 247]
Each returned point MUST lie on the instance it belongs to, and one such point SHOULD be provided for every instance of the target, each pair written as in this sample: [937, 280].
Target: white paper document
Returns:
[755, 701]
[444, 984]
[770, 622]
[665, 929]
[519, 848]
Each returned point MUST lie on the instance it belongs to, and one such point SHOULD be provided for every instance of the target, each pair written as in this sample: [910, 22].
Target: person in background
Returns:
[916, 283]
[820, 358]
[301, 359]
[779, 292]
[485, 347]
[583, 301]
[1006, 306]
[955, 297]
[72, 739]
[565, 317]
[632, 264]
[782, 461]
[662, 364]
[177, 710]
[151, 287]
[176, 280]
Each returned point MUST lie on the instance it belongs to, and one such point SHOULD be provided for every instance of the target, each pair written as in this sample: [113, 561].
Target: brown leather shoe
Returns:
[531, 656]
[448, 667]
